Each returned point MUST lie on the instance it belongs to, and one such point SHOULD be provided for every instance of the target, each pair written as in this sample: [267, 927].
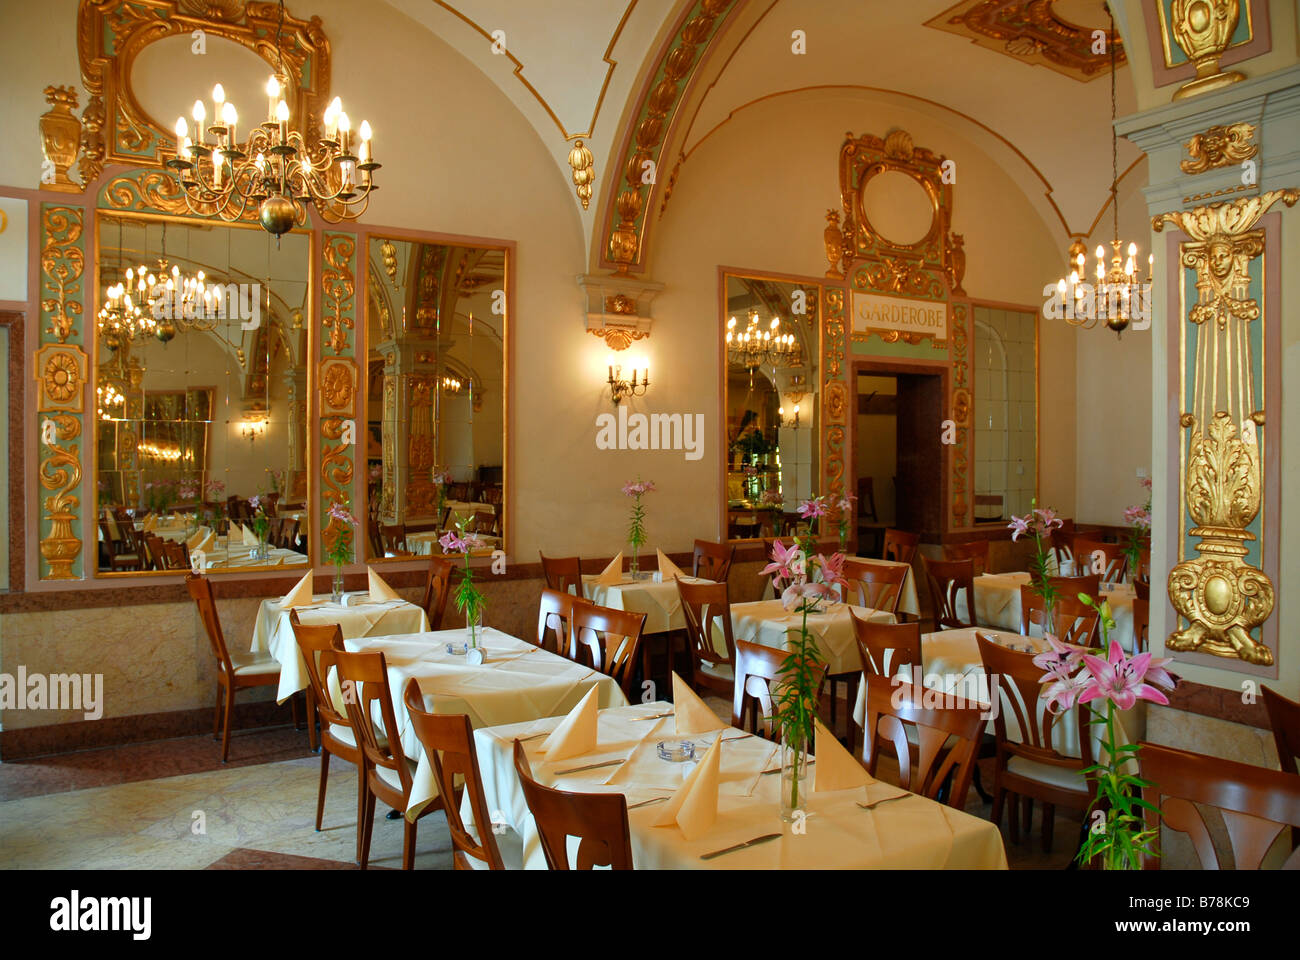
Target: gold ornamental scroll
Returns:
[1223, 598]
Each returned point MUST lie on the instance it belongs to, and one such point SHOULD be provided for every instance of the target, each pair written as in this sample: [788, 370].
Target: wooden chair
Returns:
[1063, 545]
[120, 555]
[484, 522]
[459, 491]
[156, 552]
[1142, 587]
[1284, 718]
[235, 671]
[703, 604]
[437, 588]
[320, 644]
[948, 578]
[177, 555]
[374, 539]
[599, 820]
[892, 706]
[1033, 767]
[562, 573]
[554, 613]
[1071, 587]
[900, 545]
[886, 648]
[392, 538]
[977, 550]
[387, 771]
[758, 667]
[1141, 625]
[876, 585]
[611, 639]
[1256, 804]
[867, 499]
[448, 741]
[1075, 622]
[712, 561]
[1106, 560]
[1144, 563]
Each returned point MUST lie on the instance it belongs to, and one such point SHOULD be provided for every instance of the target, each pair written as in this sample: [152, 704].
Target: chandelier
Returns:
[275, 170]
[451, 385]
[1119, 296]
[756, 347]
[120, 320]
[169, 295]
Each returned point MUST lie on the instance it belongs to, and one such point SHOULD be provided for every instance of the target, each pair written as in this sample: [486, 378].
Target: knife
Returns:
[590, 766]
[657, 716]
[646, 803]
[741, 846]
[876, 803]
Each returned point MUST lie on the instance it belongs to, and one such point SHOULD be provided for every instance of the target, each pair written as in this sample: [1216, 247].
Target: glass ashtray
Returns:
[676, 751]
[458, 647]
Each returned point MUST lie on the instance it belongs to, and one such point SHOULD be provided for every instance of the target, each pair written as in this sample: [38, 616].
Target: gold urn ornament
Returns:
[60, 139]
[1204, 29]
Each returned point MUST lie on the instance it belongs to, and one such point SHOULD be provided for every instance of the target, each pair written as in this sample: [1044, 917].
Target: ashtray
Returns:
[458, 647]
[676, 751]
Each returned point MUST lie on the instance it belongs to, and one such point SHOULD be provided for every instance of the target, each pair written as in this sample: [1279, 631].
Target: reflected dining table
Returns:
[997, 604]
[910, 832]
[907, 602]
[657, 599]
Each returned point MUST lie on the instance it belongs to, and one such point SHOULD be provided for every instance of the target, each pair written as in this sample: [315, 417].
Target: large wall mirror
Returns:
[771, 333]
[436, 407]
[201, 385]
[1006, 413]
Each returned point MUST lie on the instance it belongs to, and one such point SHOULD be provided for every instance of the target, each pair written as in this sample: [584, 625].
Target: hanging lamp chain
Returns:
[1114, 143]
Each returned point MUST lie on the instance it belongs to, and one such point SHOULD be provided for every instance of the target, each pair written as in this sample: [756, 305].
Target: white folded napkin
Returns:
[576, 733]
[250, 538]
[694, 807]
[692, 714]
[149, 523]
[836, 767]
[199, 536]
[209, 542]
[667, 568]
[612, 574]
[300, 595]
[379, 590]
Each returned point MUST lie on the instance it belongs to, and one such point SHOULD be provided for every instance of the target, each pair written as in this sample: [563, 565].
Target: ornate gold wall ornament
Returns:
[60, 139]
[1220, 146]
[339, 287]
[834, 239]
[619, 338]
[960, 405]
[829, 316]
[620, 304]
[338, 386]
[1222, 597]
[1204, 29]
[62, 264]
[584, 171]
[155, 191]
[388, 251]
[61, 373]
[60, 472]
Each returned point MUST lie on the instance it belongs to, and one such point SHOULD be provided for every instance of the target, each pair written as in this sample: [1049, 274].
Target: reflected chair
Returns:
[1256, 804]
[554, 613]
[895, 705]
[1142, 587]
[1035, 766]
[393, 539]
[387, 770]
[562, 573]
[437, 588]
[1088, 583]
[1284, 718]
[448, 742]
[758, 669]
[374, 539]
[120, 555]
[948, 578]
[867, 499]
[878, 586]
[712, 561]
[977, 550]
[598, 820]
[1141, 625]
[1062, 539]
[900, 546]
[707, 612]
[610, 639]
[177, 555]
[1075, 622]
[483, 522]
[235, 670]
[1106, 560]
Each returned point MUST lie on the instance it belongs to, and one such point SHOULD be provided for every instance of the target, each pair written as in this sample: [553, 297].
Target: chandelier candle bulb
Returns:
[229, 117]
[272, 95]
[365, 141]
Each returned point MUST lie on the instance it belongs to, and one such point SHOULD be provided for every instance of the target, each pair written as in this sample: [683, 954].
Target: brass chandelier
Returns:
[274, 170]
[172, 297]
[756, 347]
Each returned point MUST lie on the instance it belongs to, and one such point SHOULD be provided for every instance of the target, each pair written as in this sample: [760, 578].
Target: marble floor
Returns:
[173, 805]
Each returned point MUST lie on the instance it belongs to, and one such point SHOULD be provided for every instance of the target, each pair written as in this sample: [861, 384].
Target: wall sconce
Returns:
[620, 388]
[254, 427]
[791, 422]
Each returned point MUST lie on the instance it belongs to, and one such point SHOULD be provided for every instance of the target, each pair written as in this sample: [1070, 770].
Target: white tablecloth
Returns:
[997, 604]
[912, 833]
[273, 632]
[424, 543]
[907, 602]
[769, 623]
[660, 602]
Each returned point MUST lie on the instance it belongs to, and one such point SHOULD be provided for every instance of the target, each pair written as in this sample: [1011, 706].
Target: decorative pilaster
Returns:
[339, 379]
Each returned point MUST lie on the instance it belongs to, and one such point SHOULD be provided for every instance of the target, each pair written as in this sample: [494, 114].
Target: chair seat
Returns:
[253, 664]
[722, 671]
[391, 777]
[1063, 778]
[344, 736]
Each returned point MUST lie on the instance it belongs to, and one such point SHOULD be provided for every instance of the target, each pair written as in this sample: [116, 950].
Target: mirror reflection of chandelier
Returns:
[451, 385]
[120, 320]
[757, 347]
[110, 405]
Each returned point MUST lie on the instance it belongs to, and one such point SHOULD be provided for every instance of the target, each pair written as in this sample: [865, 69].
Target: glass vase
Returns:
[634, 567]
[474, 627]
[336, 590]
[263, 551]
[794, 780]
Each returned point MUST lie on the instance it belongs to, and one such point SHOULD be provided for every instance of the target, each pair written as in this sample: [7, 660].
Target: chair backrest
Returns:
[200, 588]
[892, 704]
[364, 679]
[393, 537]
[554, 613]
[885, 648]
[1284, 718]
[611, 639]
[876, 585]
[712, 561]
[320, 644]
[599, 820]
[376, 541]
[1106, 560]
[977, 550]
[1256, 803]
[437, 588]
[156, 551]
[177, 554]
[1141, 625]
[947, 579]
[484, 522]
[1075, 622]
[1063, 543]
[448, 741]
[1144, 563]
[900, 545]
[1142, 588]
[562, 573]
[758, 667]
[704, 604]
[1040, 730]
[1071, 587]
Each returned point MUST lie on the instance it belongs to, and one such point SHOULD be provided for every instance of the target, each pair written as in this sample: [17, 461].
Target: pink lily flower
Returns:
[1064, 692]
[1122, 680]
[832, 568]
[795, 596]
[783, 562]
[1060, 662]
[1018, 525]
[812, 509]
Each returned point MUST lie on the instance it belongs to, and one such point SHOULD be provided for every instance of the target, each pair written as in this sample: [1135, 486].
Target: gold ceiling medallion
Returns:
[1220, 146]
[584, 171]
[1203, 30]
[60, 139]
[1030, 31]
[1223, 597]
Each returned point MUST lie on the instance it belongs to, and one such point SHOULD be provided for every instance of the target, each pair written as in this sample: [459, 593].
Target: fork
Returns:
[876, 803]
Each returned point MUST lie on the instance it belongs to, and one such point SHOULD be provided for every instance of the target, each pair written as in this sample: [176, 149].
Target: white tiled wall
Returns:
[1005, 398]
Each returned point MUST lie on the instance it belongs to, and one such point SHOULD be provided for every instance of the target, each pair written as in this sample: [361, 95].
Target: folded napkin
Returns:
[209, 543]
[612, 574]
[667, 568]
[199, 536]
[379, 590]
[692, 714]
[694, 807]
[149, 523]
[836, 767]
[576, 733]
[250, 538]
[300, 595]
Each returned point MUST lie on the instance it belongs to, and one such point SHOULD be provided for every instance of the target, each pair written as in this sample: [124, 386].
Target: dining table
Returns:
[769, 623]
[355, 614]
[647, 593]
[997, 604]
[905, 831]
[424, 543]
[907, 601]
